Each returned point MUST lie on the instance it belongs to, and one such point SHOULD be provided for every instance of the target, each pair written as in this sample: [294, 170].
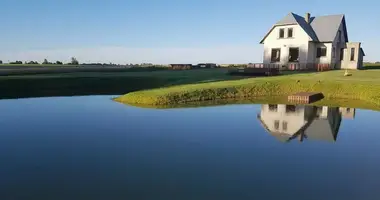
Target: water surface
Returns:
[94, 148]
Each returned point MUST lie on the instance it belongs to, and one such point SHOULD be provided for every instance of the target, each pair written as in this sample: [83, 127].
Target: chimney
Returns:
[307, 18]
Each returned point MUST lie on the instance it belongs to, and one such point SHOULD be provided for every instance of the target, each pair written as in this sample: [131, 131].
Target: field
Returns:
[361, 85]
[163, 87]
[96, 81]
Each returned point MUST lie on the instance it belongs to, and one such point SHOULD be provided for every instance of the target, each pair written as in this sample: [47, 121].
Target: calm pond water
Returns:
[94, 148]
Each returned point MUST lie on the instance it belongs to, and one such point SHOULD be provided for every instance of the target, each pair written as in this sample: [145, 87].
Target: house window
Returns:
[273, 107]
[352, 58]
[276, 124]
[276, 53]
[290, 32]
[321, 52]
[333, 52]
[284, 126]
[290, 108]
[293, 54]
[341, 54]
[281, 33]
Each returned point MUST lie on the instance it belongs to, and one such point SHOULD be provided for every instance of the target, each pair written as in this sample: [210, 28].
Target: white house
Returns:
[308, 41]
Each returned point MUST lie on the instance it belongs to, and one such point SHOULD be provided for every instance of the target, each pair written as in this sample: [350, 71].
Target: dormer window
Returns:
[290, 32]
[281, 33]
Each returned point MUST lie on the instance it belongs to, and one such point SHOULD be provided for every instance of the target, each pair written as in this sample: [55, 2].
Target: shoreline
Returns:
[347, 103]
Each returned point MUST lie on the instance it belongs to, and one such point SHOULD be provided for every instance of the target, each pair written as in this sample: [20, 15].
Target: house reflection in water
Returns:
[289, 122]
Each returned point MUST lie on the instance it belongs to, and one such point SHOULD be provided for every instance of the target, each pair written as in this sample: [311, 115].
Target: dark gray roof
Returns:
[322, 129]
[288, 19]
[326, 27]
[320, 29]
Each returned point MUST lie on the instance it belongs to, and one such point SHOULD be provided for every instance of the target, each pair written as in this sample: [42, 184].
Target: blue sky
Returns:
[163, 31]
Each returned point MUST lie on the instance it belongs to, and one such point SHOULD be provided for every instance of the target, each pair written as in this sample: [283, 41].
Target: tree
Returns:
[74, 61]
[59, 62]
[16, 62]
[32, 63]
[45, 62]
[1, 62]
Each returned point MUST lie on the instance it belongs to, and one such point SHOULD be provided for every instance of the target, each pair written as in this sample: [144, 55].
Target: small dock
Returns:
[305, 97]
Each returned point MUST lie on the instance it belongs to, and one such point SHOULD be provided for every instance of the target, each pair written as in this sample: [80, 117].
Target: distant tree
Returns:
[16, 62]
[45, 62]
[32, 63]
[1, 62]
[74, 61]
[59, 62]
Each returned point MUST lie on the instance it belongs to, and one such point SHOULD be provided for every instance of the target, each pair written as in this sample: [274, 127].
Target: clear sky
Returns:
[164, 31]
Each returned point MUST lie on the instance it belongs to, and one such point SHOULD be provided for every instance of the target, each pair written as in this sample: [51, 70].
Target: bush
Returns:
[74, 61]
[32, 63]
[16, 62]
[181, 67]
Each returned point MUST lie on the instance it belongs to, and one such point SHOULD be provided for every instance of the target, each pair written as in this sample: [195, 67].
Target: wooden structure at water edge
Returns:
[270, 69]
[257, 70]
[305, 97]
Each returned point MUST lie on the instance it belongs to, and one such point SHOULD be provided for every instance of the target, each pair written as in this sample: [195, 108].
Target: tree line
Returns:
[73, 61]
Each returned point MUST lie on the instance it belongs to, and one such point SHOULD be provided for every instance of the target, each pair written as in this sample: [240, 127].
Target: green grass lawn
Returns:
[95, 82]
[362, 85]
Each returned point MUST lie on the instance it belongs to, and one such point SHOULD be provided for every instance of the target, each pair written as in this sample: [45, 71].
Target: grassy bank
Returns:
[362, 85]
[347, 103]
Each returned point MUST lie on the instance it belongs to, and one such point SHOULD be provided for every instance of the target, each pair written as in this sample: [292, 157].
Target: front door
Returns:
[294, 54]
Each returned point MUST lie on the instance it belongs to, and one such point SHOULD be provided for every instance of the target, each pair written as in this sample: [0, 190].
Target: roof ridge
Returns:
[296, 14]
[329, 15]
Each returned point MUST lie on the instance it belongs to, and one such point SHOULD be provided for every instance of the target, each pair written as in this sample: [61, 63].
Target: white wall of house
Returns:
[347, 63]
[324, 59]
[299, 40]
[312, 52]
[347, 113]
[294, 120]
